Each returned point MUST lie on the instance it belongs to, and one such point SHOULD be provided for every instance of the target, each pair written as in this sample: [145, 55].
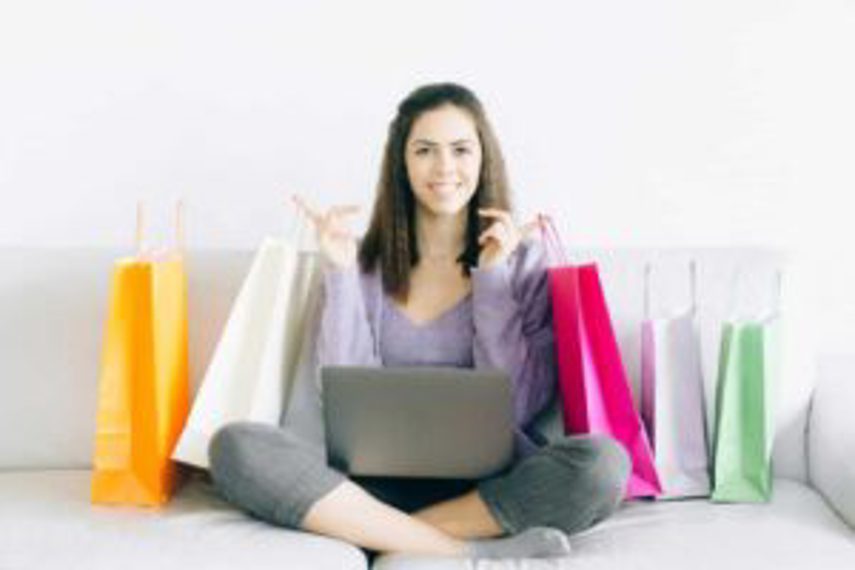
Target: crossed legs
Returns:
[277, 477]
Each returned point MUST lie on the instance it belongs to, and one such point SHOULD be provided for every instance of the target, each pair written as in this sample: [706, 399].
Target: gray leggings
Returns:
[277, 476]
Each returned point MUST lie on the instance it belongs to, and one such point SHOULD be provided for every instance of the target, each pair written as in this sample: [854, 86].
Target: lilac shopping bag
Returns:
[595, 393]
[672, 397]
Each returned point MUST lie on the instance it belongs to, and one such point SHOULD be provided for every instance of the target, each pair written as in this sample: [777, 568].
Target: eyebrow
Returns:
[426, 142]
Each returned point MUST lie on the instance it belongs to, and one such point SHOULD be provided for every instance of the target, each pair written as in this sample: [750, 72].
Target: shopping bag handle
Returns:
[693, 287]
[296, 229]
[551, 238]
[139, 241]
[738, 279]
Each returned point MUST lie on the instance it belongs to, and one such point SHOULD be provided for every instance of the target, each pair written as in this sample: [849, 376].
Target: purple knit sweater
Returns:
[505, 324]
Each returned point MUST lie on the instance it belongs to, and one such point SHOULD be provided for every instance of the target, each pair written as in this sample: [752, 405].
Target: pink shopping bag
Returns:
[595, 393]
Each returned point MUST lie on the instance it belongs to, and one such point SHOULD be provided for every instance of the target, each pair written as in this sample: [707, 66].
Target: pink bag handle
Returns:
[551, 239]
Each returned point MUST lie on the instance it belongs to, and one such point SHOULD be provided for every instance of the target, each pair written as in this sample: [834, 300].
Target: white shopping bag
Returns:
[250, 373]
[672, 398]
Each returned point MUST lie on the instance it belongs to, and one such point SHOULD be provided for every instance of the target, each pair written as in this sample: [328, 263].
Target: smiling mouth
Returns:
[443, 187]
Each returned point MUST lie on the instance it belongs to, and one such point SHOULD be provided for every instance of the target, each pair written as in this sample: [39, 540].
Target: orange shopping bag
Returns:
[143, 389]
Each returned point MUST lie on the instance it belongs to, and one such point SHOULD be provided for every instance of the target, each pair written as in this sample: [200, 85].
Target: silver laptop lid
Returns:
[417, 422]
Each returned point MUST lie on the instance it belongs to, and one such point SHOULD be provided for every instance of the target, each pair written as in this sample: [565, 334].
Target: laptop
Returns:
[417, 422]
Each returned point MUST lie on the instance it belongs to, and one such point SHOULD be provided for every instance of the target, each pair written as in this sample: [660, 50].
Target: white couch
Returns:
[52, 310]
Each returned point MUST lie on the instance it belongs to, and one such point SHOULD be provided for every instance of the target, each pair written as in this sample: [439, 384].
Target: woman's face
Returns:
[443, 158]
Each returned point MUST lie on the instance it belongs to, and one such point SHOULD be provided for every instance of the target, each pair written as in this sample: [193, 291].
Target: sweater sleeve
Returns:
[345, 335]
[513, 327]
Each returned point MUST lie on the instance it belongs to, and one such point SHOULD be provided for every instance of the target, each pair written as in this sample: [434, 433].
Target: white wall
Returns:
[636, 123]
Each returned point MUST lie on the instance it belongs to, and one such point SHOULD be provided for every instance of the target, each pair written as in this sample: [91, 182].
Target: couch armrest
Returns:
[831, 435]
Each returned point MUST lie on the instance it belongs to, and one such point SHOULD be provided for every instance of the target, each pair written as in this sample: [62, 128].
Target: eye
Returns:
[421, 151]
[462, 150]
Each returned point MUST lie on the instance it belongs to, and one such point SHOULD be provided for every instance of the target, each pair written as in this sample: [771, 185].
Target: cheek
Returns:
[472, 169]
[418, 167]
[414, 173]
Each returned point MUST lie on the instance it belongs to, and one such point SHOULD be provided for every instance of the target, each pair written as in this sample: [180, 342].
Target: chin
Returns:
[447, 208]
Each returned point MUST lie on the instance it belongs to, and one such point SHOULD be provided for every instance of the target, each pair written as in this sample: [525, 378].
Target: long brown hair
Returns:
[391, 237]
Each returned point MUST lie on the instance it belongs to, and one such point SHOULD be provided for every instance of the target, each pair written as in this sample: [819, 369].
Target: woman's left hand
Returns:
[501, 238]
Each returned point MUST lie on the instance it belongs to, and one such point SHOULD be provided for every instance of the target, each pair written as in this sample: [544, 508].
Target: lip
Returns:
[444, 191]
[443, 186]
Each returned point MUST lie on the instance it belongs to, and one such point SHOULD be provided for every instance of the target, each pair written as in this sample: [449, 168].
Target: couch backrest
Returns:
[53, 304]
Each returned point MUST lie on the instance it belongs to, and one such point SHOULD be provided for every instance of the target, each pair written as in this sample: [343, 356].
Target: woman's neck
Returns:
[440, 238]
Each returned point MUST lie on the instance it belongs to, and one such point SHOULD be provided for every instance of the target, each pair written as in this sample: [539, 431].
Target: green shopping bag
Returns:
[744, 429]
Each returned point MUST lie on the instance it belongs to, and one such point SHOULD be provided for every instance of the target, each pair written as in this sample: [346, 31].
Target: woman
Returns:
[443, 277]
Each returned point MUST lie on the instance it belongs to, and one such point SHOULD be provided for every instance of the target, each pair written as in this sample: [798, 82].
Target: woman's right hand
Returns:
[335, 239]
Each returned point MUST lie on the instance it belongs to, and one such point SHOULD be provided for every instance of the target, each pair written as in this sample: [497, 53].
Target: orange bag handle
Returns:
[140, 225]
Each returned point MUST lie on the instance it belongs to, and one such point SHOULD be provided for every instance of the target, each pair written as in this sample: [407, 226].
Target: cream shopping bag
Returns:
[250, 373]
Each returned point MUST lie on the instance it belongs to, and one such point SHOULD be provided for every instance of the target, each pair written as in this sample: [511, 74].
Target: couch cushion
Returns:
[52, 310]
[47, 521]
[795, 531]
[832, 434]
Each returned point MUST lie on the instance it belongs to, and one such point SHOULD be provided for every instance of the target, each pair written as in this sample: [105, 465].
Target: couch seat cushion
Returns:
[47, 521]
[795, 531]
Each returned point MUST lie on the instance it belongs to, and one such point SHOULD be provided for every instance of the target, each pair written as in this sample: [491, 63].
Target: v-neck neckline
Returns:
[425, 324]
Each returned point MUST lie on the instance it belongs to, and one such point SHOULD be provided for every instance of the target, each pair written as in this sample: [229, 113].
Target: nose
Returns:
[445, 161]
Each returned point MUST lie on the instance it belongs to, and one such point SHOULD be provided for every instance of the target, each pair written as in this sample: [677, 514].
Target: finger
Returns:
[496, 213]
[304, 207]
[346, 210]
[340, 233]
[502, 217]
[495, 231]
[335, 220]
[530, 227]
